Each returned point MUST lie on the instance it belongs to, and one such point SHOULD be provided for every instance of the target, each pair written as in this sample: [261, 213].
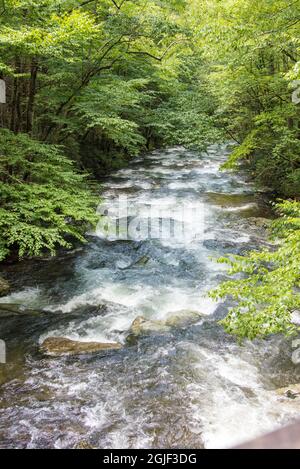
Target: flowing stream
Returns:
[189, 385]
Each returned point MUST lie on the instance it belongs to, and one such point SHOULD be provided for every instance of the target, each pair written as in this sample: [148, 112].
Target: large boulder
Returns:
[142, 326]
[183, 318]
[57, 346]
[4, 287]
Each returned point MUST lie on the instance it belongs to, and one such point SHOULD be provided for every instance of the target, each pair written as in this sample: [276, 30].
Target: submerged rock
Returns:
[142, 262]
[4, 287]
[256, 227]
[260, 222]
[62, 346]
[183, 318]
[229, 200]
[142, 325]
[217, 244]
[11, 310]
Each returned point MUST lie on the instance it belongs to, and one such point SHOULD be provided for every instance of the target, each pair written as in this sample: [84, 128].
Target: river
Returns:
[187, 386]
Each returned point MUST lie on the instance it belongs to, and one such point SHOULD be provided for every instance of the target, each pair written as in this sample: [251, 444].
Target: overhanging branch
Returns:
[159, 59]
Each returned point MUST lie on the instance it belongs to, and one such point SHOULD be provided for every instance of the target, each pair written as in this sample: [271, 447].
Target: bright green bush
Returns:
[44, 202]
[267, 290]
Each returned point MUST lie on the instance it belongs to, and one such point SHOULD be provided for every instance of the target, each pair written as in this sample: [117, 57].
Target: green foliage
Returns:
[102, 107]
[253, 53]
[188, 116]
[103, 74]
[267, 286]
[103, 81]
[43, 201]
[98, 79]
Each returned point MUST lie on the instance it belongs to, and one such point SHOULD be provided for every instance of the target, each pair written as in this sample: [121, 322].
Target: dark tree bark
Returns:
[31, 95]
[13, 105]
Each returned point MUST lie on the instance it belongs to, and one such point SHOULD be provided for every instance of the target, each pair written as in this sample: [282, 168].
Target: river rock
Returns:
[260, 222]
[229, 200]
[141, 262]
[4, 287]
[183, 318]
[180, 318]
[83, 445]
[217, 244]
[292, 391]
[62, 346]
[142, 325]
[10, 310]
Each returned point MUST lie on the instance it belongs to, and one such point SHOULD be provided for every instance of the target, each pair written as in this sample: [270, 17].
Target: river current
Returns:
[188, 386]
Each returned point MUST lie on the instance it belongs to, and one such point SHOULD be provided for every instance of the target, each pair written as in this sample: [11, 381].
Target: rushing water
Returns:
[185, 387]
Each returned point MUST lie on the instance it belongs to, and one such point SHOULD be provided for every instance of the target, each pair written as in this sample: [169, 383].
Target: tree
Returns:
[94, 79]
[252, 51]
[44, 203]
[253, 58]
[266, 291]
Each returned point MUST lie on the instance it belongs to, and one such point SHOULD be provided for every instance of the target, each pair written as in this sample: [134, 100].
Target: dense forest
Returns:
[91, 84]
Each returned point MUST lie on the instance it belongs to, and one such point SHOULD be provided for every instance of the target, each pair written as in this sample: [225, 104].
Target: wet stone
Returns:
[57, 346]
[4, 287]
[10, 310]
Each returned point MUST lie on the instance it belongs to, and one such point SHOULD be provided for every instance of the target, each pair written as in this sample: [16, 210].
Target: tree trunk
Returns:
[31, 95]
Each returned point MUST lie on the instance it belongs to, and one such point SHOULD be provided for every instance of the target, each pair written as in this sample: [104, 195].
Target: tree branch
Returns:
[288, 54]
[159, 59]
[118, 6]
[97, 68]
